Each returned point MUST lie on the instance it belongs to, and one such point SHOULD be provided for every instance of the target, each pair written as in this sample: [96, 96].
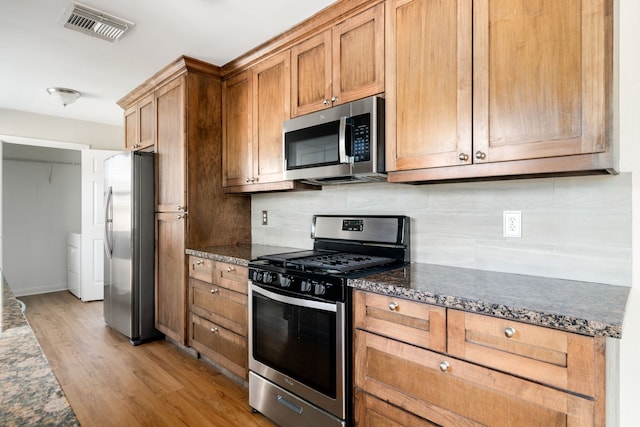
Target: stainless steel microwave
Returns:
[341, 144]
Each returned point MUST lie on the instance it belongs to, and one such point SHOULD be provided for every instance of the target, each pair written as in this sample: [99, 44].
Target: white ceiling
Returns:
[37, 52]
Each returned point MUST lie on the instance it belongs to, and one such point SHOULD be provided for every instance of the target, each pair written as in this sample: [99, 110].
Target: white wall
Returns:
[38, 126]
[573, 228]
[628, 131]
[41, 204]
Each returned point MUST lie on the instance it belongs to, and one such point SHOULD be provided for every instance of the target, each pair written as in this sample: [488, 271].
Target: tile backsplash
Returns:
[575, 228]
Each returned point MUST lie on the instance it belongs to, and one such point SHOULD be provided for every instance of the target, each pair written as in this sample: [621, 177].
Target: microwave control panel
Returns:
[361, 138]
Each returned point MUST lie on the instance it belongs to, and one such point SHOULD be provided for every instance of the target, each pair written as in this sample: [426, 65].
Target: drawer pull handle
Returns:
[214, 330]
[214, 291]
[295, 408]
[230, 269]
[444, 366]
[393, 306]
[509, 332]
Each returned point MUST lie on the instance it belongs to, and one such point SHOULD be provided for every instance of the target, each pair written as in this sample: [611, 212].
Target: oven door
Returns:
[299, 345]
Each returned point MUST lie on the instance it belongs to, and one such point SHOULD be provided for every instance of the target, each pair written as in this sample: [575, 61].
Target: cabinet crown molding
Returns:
[181, 65]
[322, 20]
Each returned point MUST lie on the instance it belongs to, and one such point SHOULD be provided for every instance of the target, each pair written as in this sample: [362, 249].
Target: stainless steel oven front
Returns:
[298, 356]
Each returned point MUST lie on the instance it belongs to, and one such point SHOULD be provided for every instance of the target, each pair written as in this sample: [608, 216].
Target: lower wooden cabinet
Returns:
[373, 412]
[219, 344]
[218, 313]
[416, 364]
[450, 392]
[557, 358]
[170, 275]
[413, 322]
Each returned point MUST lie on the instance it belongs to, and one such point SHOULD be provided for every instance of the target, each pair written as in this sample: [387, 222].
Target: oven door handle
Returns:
[324, 306]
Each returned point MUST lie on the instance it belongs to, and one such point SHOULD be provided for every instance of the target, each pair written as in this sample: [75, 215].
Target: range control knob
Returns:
[305, 286]
[269, 277]
[285, 281]
[319, 289]
[256, 276]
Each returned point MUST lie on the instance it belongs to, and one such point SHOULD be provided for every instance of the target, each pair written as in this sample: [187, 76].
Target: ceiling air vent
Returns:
[96, 23]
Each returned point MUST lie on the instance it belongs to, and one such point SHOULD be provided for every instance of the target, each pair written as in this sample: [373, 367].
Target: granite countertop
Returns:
[586, 308]
[30, 394]
[238, 254]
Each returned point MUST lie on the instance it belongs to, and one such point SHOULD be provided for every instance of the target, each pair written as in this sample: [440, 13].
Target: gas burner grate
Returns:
[341, 262]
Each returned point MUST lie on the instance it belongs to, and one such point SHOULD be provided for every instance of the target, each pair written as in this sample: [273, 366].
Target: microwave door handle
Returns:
[343, 141]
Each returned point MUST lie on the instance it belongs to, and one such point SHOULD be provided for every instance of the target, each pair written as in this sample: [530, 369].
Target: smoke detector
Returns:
[95, 23]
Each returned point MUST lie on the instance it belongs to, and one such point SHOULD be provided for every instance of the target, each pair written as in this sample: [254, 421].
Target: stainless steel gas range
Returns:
[300, 317]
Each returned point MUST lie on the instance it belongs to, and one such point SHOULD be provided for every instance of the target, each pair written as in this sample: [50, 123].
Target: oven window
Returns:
[297, 341]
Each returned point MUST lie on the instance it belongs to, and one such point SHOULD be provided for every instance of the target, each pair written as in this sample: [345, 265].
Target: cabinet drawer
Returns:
[219, 305]
[231, 276]
[413, 322]
[373, 412]
[219, 344]
[201, 268]
[558, 358]
[450, 392]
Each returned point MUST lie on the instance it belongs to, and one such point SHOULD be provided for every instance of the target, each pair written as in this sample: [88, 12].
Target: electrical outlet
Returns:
[512, 223]
[265, 218]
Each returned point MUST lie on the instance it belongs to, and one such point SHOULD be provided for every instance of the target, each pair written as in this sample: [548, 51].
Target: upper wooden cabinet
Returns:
[139, 124]
[497, 87]
[256, 102]
[428, 98]
[339, 65]
[170, 147]
[236, 123]
[271, 106]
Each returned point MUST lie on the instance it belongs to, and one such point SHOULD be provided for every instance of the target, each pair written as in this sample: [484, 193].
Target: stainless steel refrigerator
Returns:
[129, 245]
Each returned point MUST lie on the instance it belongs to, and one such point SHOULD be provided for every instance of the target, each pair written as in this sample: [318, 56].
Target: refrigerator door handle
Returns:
[108, 223]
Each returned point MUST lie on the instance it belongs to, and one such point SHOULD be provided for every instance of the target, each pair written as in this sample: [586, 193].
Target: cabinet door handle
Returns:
[334, 99]
[180, 207]
[230, 269]
[325, 102]
[444, 366]
[393, 306]
[509, 332]
[214, 291]
[480, 155]
[199, 262]
[214, 330]
[463, 157]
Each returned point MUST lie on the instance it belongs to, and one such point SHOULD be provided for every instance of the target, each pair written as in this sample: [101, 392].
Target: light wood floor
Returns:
[109, 382]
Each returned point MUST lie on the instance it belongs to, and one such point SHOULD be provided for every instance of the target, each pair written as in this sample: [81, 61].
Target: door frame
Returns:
[35, 142]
